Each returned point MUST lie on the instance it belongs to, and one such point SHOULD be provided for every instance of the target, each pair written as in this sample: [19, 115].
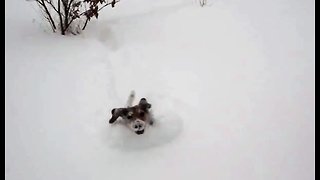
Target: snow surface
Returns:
[232, 86]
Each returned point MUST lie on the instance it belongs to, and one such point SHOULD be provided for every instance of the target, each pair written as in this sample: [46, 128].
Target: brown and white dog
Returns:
[135, 117]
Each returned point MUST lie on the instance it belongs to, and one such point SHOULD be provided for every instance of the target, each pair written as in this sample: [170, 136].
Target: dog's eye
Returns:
[129, 117]
[135, 127]
[141, 114]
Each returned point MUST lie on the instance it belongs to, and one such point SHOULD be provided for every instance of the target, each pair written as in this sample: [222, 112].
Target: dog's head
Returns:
[136, 116]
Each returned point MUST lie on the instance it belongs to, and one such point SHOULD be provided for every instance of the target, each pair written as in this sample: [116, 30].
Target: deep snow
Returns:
[231, 84]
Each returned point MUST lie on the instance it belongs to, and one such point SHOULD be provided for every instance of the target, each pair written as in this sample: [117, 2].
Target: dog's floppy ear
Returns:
[117, 112]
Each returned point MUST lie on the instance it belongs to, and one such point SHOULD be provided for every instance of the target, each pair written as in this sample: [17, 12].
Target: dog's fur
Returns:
[136, 116]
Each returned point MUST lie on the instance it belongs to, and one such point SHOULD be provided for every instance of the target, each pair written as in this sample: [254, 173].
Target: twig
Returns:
[113, 2]
[60, 17]
[41, 2]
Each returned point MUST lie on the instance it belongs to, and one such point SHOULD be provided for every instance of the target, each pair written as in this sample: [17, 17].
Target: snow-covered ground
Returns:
[232, 87]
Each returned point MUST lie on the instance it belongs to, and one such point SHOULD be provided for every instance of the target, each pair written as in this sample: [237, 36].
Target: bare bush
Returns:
[71, 16]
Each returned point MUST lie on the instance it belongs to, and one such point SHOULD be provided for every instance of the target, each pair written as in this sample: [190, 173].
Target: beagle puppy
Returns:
[135, 117]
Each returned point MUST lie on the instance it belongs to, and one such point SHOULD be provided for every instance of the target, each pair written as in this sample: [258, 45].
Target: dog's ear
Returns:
[115, 114]
[113, 119]
[118, 112]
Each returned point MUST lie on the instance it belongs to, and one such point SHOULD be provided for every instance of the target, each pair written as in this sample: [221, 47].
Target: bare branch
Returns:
[85, 24]
[67, 14]
[67, 26]
[41, 2]
[45, 16]
[60, 17]
[112, 3]
[69, 6]
[51, 4]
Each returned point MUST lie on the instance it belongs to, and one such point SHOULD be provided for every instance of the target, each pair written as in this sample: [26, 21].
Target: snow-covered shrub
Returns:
[71, 16]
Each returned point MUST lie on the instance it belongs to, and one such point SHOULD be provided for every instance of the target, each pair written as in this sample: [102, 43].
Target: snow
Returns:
[231, 85]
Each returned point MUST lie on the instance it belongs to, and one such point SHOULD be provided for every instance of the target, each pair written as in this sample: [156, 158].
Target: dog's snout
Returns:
[140, 132]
